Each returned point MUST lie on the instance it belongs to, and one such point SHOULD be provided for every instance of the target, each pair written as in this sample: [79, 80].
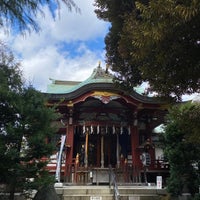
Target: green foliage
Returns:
[114, 11]
[166, 44]
[196, 197]
[21, 14]
[182, 150]
[25, 129]
[156, 41]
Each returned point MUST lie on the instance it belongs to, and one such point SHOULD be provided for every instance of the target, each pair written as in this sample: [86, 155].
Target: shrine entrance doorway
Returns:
[102, 130]
[100, 150]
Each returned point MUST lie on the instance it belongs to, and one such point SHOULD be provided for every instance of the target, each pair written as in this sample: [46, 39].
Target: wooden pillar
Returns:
[102, 151]
[117, 151]
[98, 151]
[108, 149]
[86, 148]
[136, 162]
[69, 147]
[69, 143]
[151, 150]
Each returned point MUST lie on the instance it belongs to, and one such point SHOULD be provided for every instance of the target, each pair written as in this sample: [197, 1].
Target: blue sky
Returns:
[68, 47]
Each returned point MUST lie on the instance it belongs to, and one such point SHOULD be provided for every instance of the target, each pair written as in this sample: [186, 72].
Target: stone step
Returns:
[140, 190]
[91, 192]
[80, 192]
[88, 192]
[87, 198]
[110, 197]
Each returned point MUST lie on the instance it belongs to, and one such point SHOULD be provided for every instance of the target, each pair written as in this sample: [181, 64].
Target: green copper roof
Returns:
[99, 75]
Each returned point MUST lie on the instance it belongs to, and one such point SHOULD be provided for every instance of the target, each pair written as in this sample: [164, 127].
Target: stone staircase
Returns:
[140, 192]
[103, 192]
[81, 192]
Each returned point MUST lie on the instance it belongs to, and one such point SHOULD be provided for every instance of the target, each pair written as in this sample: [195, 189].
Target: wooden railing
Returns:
[126, 173]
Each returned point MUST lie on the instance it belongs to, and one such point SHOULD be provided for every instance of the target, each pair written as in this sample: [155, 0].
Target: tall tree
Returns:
[182, 148]
[21, 14]
[25, 128]
[160, 41]
[114, 11]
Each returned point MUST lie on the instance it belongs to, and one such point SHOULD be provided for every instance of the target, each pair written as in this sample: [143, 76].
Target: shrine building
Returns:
[106, 127]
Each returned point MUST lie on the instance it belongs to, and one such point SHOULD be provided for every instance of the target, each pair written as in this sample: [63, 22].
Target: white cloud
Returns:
[49, 63]
[49, 53]
[78, 26]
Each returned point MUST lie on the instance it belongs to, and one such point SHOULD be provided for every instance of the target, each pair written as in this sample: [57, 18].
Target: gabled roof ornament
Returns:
[100, 73]
[99, 64]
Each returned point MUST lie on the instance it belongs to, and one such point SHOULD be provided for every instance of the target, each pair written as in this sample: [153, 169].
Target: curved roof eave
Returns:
[102, 87]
